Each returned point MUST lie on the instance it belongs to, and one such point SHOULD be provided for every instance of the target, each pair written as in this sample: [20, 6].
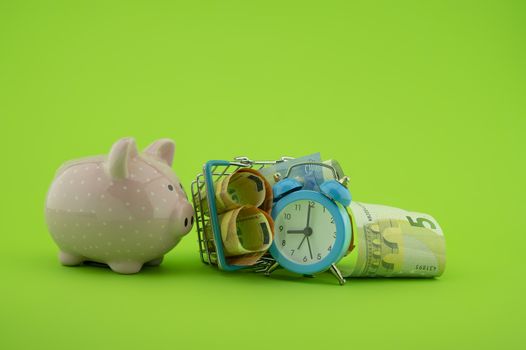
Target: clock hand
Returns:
[302, 242]
[310, 251]
[296, 231]
[308, 216]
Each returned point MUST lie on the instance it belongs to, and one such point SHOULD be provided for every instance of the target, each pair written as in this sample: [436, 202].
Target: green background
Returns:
[422, 102]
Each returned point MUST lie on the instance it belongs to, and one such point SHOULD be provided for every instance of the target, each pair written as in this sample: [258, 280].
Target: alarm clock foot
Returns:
[308, 276]
[271, 269]
[337, 273]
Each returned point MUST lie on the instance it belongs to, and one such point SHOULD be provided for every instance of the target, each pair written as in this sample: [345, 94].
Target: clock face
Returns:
[305, 232]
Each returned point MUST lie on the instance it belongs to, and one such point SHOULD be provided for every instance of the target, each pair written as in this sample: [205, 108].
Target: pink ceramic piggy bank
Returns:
[125, 209]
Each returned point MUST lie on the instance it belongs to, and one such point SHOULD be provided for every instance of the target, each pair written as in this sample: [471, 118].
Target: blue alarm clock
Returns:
[312, 228]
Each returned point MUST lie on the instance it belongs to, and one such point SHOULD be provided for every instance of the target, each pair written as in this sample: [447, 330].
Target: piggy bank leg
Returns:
[155, 262]
[69, 259]
[127, 267]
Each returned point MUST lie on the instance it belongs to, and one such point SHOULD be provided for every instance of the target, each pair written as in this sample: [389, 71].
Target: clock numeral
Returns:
[332, 219]
[305, 258]
[283, 242]
[292, 252]
[311, 204]
[334, 235]
[281, 228]
[287, 216]
[324, 209]
[330, 247]
[318, 256]
[297, 207]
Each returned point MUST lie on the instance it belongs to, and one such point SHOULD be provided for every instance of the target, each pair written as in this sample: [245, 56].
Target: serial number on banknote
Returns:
[425, 267]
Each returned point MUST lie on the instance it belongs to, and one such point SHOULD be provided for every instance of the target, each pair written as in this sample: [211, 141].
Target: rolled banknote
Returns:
[246, 233]
[308, 174]
[243, 187]
[391, 242]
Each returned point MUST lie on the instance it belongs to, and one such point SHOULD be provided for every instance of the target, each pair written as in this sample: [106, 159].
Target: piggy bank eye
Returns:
[170, 187]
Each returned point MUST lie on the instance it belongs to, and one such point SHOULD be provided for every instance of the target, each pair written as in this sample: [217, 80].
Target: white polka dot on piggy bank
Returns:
[126, 209]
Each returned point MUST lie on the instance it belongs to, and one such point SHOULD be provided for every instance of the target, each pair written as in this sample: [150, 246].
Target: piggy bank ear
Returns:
[121, 153]
[162, 149]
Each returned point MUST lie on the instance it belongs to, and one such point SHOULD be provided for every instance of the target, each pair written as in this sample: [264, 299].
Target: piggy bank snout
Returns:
[184, 218]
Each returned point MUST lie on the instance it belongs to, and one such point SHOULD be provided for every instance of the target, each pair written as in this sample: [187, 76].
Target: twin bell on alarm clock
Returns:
[313, 229]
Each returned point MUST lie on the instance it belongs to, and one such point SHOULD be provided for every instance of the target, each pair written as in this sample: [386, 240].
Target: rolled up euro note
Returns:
[309, 175]
[246, 233]
[243, 187]
[391, 242]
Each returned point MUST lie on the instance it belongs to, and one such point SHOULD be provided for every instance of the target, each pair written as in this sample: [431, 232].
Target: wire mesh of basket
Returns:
[211, 248]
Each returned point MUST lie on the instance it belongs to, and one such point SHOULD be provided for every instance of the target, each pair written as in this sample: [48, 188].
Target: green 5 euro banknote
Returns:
[392, 242]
